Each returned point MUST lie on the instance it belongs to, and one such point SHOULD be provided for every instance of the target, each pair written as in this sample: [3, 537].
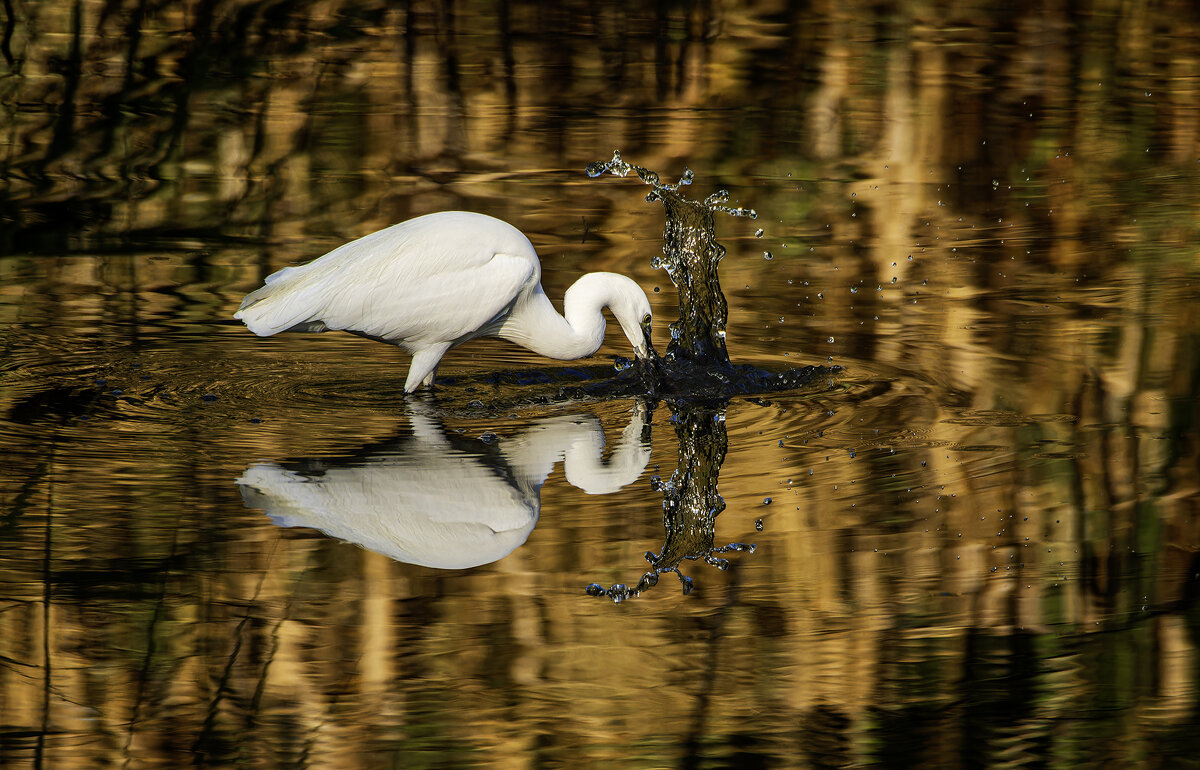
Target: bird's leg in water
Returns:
[424, 366]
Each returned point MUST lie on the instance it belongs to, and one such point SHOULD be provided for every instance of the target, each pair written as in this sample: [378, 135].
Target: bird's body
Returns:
[438, 280]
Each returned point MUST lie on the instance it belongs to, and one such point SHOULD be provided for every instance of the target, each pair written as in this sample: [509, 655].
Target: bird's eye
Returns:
[646, 319]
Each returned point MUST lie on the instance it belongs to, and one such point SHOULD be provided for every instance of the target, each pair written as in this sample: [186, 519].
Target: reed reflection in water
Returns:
[981, 545]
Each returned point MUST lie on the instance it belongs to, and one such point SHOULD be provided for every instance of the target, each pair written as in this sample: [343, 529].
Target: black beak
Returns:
[647, 364]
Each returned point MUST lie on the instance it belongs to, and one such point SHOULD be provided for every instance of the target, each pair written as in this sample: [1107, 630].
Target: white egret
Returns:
[439, 280]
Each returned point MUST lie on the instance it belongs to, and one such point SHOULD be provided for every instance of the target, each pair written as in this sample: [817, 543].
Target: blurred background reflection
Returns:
[980, 542]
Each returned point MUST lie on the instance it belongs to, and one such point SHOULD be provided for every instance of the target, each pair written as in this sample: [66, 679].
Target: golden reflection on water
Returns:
[981, 543]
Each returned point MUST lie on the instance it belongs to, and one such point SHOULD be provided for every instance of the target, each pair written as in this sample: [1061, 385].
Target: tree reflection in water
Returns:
[993, 211]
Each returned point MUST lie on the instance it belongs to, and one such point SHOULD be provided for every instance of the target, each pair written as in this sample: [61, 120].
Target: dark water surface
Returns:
[978, 544]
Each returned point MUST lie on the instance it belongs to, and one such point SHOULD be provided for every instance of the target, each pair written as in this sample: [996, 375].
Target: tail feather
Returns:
[282, 273]
[281, 306]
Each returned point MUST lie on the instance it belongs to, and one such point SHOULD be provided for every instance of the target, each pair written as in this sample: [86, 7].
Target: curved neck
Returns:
[535, 324]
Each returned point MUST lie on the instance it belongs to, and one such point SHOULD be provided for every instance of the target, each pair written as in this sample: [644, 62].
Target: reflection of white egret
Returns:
[443, 501]
[439, 280]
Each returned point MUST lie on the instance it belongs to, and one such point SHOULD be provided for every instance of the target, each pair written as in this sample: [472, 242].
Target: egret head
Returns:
[632, 310]
[647, 349]
[624, 299]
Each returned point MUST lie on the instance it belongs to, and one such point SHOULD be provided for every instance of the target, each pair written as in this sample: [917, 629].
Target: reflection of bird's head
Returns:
[440, 500]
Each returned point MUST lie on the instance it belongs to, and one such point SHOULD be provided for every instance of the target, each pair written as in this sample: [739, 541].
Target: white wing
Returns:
[438, 278]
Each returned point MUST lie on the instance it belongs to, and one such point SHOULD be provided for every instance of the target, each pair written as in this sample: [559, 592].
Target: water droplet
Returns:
[766, 501]
[768, 255]
[758, 524]
[758, 233]
[649, 177]
[829, 340]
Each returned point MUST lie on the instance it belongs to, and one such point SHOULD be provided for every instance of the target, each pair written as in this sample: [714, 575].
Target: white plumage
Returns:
[439, 280]
[438, 500]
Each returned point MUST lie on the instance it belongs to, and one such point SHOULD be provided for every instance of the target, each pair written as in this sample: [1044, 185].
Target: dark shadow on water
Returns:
[624, 379]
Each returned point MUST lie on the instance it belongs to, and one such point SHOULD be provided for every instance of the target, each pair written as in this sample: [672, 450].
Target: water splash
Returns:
[691, 504]
[690, 257]
[696, 361]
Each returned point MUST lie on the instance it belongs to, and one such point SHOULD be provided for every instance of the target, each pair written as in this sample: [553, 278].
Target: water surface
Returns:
[978, 541]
